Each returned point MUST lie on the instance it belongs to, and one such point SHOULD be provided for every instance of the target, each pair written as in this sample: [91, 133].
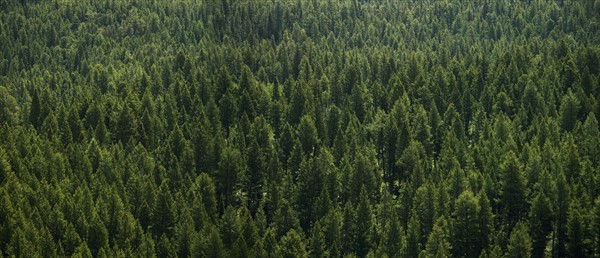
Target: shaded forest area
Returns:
[300, 128]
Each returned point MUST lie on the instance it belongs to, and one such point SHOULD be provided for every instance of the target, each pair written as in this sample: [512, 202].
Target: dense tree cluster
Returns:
[295, 128]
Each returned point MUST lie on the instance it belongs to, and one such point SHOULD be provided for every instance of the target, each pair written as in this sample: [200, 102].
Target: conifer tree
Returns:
[519, 244]
[438, 243]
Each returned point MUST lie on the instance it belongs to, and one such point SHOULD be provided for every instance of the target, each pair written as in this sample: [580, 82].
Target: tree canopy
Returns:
[295, 128]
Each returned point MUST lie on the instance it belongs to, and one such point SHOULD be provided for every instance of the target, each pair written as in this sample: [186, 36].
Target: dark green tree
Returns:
[576, 233]
[595, 223]
[291, 245]
[438, 242]
[569, 111]
[514, 189]
[307, 133]
[9, 108]
[231, 176]
[126, 125]
[364, 225]
[519, 244]
[464, 223]
[540, 223]
[35, 112]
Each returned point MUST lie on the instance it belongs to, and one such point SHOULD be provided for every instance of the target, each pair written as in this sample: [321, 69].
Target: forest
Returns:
[299, 128]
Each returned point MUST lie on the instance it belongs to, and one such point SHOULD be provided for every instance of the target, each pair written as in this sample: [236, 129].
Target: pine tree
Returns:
[317, 246]
[413, 237]
[207, 192]
[213, 247]
[576, 233]
[249, 229]
[364, 225]
[595, 222]
[126, 126]
[464, 223]
[5, 168]
[97, 236]
[519, 245]
[332, 230]
[569, 111]
[423, 210]
[561, 202]
[101, 133]
[164, 212]
[229, 109]
[485, 217]
[35, 112]
[285, 219]
[230, 228]
[590, 143]
[438, 242]
[291, 246]
[232, 175]
[513, 189]
[9, 108]
[307, 134]
[540, 223]
[310, 184]
[75, 125]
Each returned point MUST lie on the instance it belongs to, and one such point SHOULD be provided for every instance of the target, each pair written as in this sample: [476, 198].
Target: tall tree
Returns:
[364, 225]
[540, 223]
[126, 127]
[438, 242]
[291, 245]
[595, 234]
[231, 176]
[464, 223]
[569, 111]
[307, 133]
[513, 189]
[519, 244]
[35, 112]
[576, 233]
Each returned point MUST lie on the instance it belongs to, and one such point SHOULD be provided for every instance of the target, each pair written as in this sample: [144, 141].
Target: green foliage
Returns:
[438, 243]
[519, 244]
[299, 128]
[513, 189]
[576, 231]
[9, 108]
[540, 223]
[291, 245]
[569, 111]
[465, 243]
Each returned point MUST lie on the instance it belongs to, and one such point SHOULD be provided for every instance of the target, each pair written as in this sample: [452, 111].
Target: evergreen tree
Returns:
[438, 243]
[307, 134]
[485, 217]
[125, 127]
[230, 228]
[540, 221]
[364, 225]
[9, 108]
[569, 111]
[561, 208]
[35, 112]
[513, 189]
[291, 245]
[519, 244]
[317, 247]
[464, 223]
[413, 237]
[232, 175]
[576, 233]
[290, 128]
[595, 234]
